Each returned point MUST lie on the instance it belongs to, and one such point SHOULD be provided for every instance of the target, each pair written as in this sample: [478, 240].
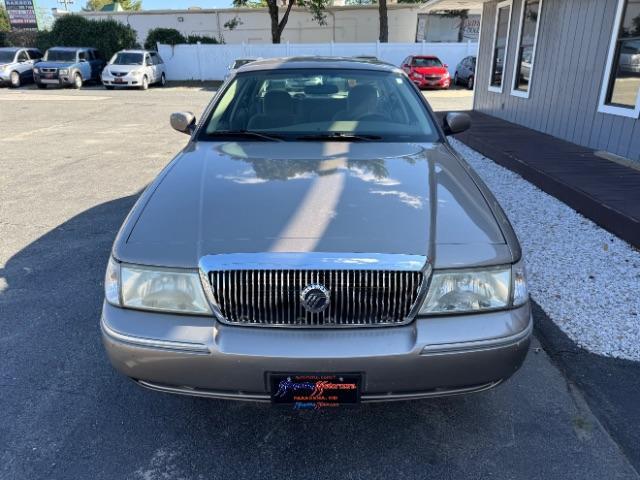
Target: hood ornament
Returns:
[315, 298]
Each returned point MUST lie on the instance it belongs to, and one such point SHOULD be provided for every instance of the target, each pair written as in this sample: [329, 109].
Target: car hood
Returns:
[430, 70]
[54, 64]
[124, 68]
[248, 197]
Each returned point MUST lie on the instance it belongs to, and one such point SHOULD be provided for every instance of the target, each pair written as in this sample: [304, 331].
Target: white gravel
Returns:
[585, 278]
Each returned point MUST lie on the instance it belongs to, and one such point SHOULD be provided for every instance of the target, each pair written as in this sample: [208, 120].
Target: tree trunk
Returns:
[285, 19]
[272, 5]
[384, 22]
[463, 20]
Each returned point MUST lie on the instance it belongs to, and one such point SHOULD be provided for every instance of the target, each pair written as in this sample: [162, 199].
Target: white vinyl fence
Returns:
[210, 62]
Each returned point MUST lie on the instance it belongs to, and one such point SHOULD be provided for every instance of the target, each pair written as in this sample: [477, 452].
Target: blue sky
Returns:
[148, 4]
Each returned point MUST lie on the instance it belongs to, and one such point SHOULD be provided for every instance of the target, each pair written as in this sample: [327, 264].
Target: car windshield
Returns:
[124, 58]
[300, 104]
[6, 56]
[426, 62]
[244, 61]
[60, 56]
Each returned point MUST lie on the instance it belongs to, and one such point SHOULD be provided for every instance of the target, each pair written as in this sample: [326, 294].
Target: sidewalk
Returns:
[609, 195]
[604, 191]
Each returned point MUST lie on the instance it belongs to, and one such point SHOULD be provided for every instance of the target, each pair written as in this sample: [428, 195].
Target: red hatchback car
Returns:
[427, 71]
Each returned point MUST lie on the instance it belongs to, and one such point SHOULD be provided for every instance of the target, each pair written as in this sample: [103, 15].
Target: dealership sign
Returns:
[22, 14]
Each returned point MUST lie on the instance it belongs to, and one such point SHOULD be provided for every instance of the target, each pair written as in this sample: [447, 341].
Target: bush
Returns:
[202, 39]
[167, 36]
[108, 36]
[19, 38]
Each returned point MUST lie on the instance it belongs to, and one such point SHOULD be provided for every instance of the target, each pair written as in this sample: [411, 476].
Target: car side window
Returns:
[34, 54]
[22, 56]
[156, 58]
[147, 61]
[82, 55]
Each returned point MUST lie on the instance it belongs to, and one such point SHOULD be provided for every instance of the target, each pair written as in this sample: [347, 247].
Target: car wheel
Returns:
[455, 78]
[77, 81]
[470, 82]
[163, 80]
[145, 83]
[14, 78]
[41, 85]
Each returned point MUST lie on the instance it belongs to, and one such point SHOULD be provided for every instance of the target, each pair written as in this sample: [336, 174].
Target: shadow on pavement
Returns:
[64, 413]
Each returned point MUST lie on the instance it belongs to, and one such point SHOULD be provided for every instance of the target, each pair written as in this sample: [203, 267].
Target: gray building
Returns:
[569, 68]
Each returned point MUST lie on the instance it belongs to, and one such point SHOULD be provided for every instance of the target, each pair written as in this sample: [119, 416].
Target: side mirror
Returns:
[455, 123]
[446, 66]
[183, 122]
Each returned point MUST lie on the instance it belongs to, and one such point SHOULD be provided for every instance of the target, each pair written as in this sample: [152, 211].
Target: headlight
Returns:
[469, 290]
[63, 71]
[153, 288]
[35, 70]
[136, 73]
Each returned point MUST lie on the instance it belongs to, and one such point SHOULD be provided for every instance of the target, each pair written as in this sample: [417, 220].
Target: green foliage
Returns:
[4, 21]
[108, 36]
[167, 36]
[202, 39]
[96, 5]
[171, 36]
[316, 7]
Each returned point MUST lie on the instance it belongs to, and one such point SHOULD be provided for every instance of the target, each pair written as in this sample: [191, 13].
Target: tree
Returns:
[96, 5]
[317, 8]
[4, 19]
[384, 21]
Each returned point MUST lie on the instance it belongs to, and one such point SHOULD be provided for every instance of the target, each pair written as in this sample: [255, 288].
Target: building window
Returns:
[500, 44]
[620, 93]
[525, 53]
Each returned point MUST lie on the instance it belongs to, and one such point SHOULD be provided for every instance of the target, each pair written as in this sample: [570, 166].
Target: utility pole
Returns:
[65, 4]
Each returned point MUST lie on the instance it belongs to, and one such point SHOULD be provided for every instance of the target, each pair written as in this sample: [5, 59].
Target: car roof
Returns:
[133, 50]
[425, 56]
[285, 63]
[71, 49]
[10, 49]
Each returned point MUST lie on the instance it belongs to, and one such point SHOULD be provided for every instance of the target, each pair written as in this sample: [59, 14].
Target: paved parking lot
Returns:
[71, 165]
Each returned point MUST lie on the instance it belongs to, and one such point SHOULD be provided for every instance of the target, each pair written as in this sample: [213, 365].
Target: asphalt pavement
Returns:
[71, 166]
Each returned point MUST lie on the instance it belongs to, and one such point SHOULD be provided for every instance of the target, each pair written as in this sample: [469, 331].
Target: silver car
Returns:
[134, 68]
[315, 248]
[16, 65]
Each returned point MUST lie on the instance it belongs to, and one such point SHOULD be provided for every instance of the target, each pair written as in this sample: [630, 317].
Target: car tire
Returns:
[145, 83]
[455, 78]
[163, 80]
[14, 80]
[41, 85]
[77, 81]
[470, 82]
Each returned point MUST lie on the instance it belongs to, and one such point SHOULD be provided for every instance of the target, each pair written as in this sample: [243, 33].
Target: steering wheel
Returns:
[372, 117]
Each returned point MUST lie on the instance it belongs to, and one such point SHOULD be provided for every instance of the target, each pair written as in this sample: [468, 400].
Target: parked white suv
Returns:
[134, 68]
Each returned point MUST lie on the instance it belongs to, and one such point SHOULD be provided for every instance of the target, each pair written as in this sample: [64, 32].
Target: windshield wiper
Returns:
[341, 136]
[246, 134]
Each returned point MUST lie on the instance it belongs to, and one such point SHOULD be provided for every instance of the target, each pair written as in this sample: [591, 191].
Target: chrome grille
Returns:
[271, 297]
[118, 74]
[49, 70]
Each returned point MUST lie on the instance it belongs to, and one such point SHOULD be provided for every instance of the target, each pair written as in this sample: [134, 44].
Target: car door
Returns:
[160, 68]
[83, 64]
[23, 64]
[97, 64]
[149, 68]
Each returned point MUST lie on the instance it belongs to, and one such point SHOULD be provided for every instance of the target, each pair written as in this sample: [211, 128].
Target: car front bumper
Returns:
[126, 81]
[429, 357]
[432, 83]
[61, 80]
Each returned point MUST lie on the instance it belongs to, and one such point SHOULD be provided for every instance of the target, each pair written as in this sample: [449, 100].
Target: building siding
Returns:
[571, 53]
